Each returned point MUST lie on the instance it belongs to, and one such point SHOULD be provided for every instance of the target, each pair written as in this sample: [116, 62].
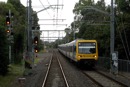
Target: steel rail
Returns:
[96, 82]
[111, 79]
[48, 69]
[67, 85]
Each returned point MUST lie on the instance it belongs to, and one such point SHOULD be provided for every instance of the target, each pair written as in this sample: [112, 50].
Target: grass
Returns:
[14, 72]
[42, 51]
[36, 60]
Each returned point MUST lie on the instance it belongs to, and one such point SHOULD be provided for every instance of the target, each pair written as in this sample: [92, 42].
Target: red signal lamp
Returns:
[7, 20]
[8, 31]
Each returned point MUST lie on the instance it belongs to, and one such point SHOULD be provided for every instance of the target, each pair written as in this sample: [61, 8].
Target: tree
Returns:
[123, 28]
[4, 43]
[4, 60]
[88, 22]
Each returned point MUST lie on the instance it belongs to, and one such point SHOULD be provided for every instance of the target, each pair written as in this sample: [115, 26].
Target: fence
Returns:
[123, 65]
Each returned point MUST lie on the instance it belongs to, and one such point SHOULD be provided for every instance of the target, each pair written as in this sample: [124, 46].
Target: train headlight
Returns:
[95, 56]
[79, 56]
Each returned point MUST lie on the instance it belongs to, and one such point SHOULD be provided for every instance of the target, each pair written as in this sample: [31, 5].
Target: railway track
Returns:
[102, 80]
[55, 76]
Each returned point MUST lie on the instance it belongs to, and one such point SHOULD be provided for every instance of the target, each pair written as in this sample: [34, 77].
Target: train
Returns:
[81, 51]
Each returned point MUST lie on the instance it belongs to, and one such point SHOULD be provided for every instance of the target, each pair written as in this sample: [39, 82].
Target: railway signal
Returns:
[7, 20]
[35, 49]
[9, 15]
[35, 40]
[7, 31]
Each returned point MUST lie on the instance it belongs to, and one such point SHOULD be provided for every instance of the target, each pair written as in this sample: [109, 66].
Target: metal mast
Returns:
[112, 30]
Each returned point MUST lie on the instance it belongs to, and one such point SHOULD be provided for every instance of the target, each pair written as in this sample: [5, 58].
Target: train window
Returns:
[87, 47]
[74, 48]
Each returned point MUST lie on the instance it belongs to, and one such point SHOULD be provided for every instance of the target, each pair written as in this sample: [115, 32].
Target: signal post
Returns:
[9, 31]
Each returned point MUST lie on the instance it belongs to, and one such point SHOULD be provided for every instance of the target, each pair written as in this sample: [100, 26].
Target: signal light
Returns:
[7, 21]
[35, 49]
[8, 31]
[36, 40]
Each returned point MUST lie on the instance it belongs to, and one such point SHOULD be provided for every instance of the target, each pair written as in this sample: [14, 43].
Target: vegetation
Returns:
[14, 72]
[93, 24]
[18, 44]
[4, 61]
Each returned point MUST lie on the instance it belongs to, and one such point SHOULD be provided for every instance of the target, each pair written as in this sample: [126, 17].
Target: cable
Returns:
[48, 2]
[44, 7]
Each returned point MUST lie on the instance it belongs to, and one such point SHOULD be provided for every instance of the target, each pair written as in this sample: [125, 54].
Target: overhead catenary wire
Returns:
[44, 8]
[48, 2]
[55, 8]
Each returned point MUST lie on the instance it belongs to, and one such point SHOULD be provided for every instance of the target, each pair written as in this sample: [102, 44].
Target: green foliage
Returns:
[15, 71]
[123, 28]
[4, 61]
[92, 24]
[123, 5]
[89, 20]
[19, 30]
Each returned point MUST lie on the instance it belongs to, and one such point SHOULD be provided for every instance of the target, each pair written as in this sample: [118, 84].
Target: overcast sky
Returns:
[64, 12]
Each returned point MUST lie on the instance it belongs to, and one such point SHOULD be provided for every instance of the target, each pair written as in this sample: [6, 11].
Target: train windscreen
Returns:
[86, 47]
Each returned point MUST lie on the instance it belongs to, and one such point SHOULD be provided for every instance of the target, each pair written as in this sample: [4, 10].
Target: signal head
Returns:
[7, 31]
[35, 40]
[7, 21]
[36, 50]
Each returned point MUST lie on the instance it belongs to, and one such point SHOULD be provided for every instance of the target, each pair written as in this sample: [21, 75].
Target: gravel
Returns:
[73, 74]
[35, 79]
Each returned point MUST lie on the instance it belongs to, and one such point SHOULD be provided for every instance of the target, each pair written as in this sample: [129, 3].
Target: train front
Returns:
[87, 52]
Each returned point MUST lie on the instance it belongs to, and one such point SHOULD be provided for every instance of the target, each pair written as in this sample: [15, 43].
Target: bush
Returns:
[4, 61]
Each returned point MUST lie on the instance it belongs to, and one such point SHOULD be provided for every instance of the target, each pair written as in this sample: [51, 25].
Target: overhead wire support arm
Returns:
[52, 19]
[101, 11]
[54, 24]
[43, 9]
[47, 6]
[49, 30]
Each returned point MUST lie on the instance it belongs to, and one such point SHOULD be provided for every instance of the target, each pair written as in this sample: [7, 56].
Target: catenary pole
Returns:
[29, 37]
[112, 34]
